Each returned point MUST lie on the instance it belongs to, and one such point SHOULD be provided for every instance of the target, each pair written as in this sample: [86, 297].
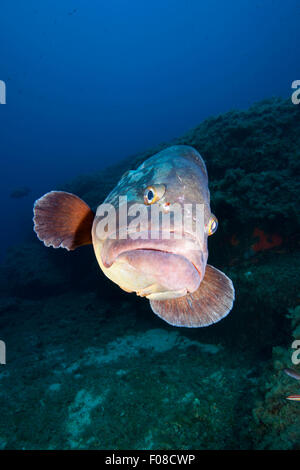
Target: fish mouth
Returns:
[174, 263]
[186, 246]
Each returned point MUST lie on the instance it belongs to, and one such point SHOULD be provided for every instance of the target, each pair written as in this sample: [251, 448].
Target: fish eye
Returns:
[153, 193]
[212, 225]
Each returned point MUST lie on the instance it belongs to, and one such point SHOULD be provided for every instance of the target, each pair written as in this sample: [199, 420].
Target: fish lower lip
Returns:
[160, 251]
[171, 271]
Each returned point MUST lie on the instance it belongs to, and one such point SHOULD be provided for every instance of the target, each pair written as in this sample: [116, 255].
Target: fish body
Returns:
[293, 398]
[140, 240]
[292, 373]
[20, 192]
[149, 273]
[295, 375]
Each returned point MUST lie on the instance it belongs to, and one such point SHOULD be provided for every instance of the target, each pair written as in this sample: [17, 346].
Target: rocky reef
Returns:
[89, 366]
[277, 419]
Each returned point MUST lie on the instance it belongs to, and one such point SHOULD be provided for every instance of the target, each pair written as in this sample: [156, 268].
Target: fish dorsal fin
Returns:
[63, 220]
[211, 302]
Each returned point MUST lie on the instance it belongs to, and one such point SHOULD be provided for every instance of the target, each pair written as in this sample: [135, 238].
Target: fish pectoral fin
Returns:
[63, 220]
[211, 302]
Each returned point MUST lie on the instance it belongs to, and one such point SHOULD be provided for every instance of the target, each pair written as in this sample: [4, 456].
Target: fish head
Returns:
[150, 234]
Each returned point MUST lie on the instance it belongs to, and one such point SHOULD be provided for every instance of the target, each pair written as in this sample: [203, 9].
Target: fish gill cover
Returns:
[91, 368]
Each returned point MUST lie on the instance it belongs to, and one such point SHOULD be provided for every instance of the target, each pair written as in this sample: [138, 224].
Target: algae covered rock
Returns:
[278, 419]
[294, 315]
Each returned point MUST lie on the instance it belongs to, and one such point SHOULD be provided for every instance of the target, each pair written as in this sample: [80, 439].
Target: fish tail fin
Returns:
[63, 220]
[211, 302]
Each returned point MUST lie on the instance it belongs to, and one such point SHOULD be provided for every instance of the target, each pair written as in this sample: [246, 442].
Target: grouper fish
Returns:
[166, 263]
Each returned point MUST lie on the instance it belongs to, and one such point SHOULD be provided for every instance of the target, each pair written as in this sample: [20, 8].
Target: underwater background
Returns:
[92, 90]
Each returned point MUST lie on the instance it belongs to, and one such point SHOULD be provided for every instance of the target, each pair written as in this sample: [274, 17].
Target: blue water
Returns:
[89, 83]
